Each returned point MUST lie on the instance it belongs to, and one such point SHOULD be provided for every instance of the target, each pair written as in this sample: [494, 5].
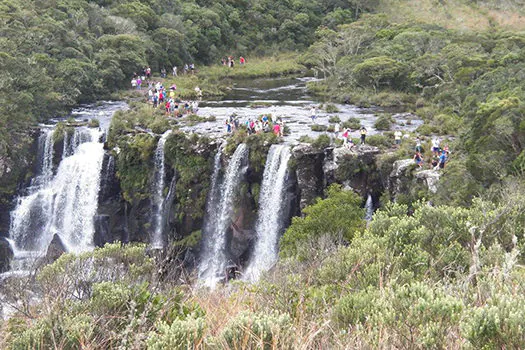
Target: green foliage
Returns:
[352, 123]
[330, 108]
[339, 217]
[321, 142]
[384, 122]
[318, 127]
[258, 331]
[181, 334]
[334, 119]
[134, 162]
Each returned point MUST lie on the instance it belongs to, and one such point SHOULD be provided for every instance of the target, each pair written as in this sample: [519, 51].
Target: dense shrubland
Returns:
[442, 277]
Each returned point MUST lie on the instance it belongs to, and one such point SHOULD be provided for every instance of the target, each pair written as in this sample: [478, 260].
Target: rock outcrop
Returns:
[6, 255]
[55, 249]
[404, 176]
[309, 170]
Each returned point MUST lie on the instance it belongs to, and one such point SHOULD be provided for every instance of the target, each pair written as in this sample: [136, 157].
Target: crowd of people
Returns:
[439, 158]
[230, 61]
[263, 123]
[160, 97]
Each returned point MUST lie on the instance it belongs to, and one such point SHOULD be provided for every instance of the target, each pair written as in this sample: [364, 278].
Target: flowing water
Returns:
[62, 201]
[219, 211]
[270, 219]
[158, 200]
[286, 98]
[369, 208]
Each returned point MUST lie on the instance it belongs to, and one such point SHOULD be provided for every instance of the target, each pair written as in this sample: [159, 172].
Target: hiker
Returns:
[185, 68]
[192, 68]
[435, 146]
[163, 72]
[139, 83]
[242, 61]
[363, 134]
[337, 127]
[397, 137]
[228, 127]
[435, 162]
[442, 159]
[148, 72]
[346, 136]
[419, 148]
[418, 158]
[198, 91]
[313, 113]
[134, 83]
[174, 71]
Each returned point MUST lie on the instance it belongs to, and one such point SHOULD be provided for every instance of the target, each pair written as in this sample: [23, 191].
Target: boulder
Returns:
[6, 255]
[355, 168]
[401, 176]
[55, 249]
[430, 178]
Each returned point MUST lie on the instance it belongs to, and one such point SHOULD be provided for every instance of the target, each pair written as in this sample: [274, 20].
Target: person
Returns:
[442, 160]
[192, 68]
[163, 72]
[139, 83]
[242, 61]
[134, 83]
[231, 62]
[281, 128]
[198, 91]
[435, 162]
[313, 113]
[435, 146]
[363, 134]
[397, 137]
[174, 71]
[228, 127]
[418, 158]
[346, 136]
[185, 68]
[337, 127]
[418, 145]
[148, 72]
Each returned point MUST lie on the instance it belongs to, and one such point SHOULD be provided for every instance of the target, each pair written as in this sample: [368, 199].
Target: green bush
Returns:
[339, 216]
[334, 119]
[94, 123]
[384, 122]
[321, 142]
[185, 333]
[330, 108]
[318, 127]
[352, 123]
[260, 331]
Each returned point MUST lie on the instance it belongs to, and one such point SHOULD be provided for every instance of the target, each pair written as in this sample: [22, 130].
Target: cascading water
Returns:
[369, 208]
[219, 210]
[270, 219]
[158, 201]
[66, 203]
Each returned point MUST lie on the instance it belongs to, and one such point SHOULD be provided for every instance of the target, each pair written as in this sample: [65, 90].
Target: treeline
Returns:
[464, 84]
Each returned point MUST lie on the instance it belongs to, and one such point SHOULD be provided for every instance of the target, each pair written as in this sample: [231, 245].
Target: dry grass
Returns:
[457, 14]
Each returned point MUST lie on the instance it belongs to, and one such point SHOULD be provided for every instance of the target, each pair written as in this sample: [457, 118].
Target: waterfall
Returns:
[219, 210]
[64, 205]
[270, 218]
[45, 157]
[158, 199]
[369, 208]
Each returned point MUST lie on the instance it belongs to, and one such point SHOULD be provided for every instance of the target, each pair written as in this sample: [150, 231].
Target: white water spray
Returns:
[158, 200]
[270, 219]
[219, 214]
[64, 205]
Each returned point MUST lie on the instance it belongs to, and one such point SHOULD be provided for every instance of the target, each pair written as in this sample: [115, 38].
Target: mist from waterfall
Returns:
[270, 221]
[159, 181]
[219, 211]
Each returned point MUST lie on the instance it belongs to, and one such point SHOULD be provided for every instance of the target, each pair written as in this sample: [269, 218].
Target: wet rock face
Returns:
[6, 255]
[429, 178]
[309, 172]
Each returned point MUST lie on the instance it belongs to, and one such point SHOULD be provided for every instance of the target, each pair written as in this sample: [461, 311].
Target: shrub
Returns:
[339, 216]
[352, 123]
[379, 141]
[321, 142]
[384, 122]
[262, 331]
[181, 334]
[317, 127]
[330, 108]
[334, 119]
[94, 123]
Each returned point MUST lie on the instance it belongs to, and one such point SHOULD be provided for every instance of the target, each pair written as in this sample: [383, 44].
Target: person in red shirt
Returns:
[242, 61]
